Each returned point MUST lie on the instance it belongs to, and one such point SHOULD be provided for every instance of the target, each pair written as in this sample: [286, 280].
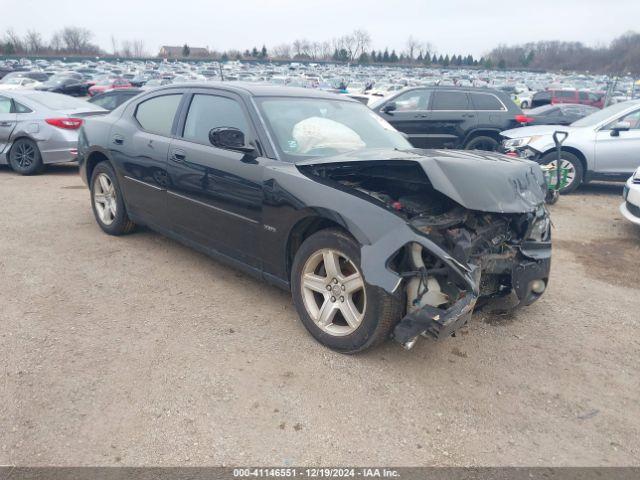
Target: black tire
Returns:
[381, 311]
[574, 161]
[120, 224]
[25, 157]
[482, 142]
[524, 105]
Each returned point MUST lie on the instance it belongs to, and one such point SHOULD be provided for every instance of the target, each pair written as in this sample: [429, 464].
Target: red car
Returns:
[109, 84]
[554, 97]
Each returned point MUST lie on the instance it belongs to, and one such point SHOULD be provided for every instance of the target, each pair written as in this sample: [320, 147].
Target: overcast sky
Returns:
[452, 26]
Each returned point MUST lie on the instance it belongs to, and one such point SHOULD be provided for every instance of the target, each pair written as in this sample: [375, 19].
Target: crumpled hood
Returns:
[480, 181]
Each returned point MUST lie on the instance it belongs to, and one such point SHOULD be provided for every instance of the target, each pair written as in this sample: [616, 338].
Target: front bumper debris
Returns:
[527, 273]
[435, 322]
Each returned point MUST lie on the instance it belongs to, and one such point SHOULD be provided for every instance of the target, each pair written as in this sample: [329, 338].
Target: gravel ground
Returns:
[139, 351]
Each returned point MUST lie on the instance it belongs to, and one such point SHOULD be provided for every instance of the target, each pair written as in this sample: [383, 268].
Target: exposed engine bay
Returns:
[492, 246]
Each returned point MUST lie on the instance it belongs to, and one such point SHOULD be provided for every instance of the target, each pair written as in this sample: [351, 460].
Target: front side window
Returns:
[450, 101]
[633, 119]
[307, 128]
[485, 101]
[207, 112]
[156, 115]
[413, 100]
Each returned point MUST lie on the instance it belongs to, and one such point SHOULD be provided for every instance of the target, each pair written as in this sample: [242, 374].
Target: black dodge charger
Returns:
[317, 194]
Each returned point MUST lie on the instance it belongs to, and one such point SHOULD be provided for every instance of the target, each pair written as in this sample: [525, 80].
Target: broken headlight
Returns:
[540, 229]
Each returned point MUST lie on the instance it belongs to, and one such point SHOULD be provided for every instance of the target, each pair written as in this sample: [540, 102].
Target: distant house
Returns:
[176, 52]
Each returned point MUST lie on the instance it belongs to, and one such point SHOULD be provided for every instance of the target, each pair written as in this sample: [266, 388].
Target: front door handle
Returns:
[118, 139]
[422, 115]
[179, 155]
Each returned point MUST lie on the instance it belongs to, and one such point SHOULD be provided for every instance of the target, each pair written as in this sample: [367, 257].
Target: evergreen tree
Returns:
[393, 57]
[364, 58]
[446, 61]
[385, 56]
[254, 52]
[263, 52]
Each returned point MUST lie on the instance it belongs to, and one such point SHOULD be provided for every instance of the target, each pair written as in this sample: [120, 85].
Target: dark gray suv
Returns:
[451, 117]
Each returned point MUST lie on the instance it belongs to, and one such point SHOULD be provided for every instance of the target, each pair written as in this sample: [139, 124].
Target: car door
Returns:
[139, 145]
[215, 194]
[450, 118]
[409, 115]
[619, 153]
[7, 121]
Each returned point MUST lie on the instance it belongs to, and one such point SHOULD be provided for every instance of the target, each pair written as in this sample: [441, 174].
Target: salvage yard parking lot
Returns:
[137, 350]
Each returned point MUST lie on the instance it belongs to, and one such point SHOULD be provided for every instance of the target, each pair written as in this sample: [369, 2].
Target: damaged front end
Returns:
[452, 252]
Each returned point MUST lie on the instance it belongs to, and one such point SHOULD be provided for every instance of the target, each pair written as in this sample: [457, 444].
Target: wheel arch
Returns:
[94, 158]
[313, 223]
[574, 151]
[482, 132]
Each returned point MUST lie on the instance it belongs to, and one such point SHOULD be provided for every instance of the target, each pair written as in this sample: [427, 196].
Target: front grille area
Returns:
[633, 209]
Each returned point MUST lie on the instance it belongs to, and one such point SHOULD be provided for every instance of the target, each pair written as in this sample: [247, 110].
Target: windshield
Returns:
[314, 127]
[601, 115]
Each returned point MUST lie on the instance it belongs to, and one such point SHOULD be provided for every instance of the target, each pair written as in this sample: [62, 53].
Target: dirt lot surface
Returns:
[139, 351]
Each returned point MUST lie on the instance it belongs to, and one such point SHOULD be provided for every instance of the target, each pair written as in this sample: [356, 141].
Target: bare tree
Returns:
[126, 49]
[13, 39]
[362, 41]
[56, 42]
[325, 50]
[114, 46]
[138, 49]
[282, 51]
[34, 42]
[76, 39]
[413, 45]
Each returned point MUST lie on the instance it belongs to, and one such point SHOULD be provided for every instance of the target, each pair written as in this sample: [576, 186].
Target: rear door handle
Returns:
[179, 155]
[118, 139]
[422, 115]
[6, 124]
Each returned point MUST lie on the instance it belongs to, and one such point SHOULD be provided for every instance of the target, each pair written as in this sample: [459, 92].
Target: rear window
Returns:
[450, 101]
[56, 101]
[486, 101]
[156, 114]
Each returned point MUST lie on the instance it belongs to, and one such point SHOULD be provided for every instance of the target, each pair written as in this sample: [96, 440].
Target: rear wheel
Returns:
[524, 105]
[25, 158]
[571, 169]
[107, 203]
[335, 303]
[488, 144]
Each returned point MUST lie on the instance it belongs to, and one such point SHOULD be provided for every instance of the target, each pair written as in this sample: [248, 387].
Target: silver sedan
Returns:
[37, 128]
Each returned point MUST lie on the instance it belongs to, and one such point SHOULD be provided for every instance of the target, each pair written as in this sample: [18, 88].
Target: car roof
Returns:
[260, 90]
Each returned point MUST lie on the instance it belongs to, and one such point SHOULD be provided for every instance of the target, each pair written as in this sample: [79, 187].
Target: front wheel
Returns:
[572, 172]
[107, 203]
[334, 301]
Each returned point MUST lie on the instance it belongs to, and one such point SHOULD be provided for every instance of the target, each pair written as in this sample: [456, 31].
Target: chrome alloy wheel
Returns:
[333, 292]
[104, 199]
[566, 166]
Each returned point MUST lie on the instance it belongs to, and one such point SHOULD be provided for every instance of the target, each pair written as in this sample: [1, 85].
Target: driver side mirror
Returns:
[389, 107]
[229, 138]
[620, 127]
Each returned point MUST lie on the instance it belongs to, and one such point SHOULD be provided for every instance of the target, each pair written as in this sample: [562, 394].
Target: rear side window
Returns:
[583, 96]
[565, 94]
[5, 105]
[210, 111]
[108, 101]
[156, 114]
[486, 101]
[21, 108]
[450, 101]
